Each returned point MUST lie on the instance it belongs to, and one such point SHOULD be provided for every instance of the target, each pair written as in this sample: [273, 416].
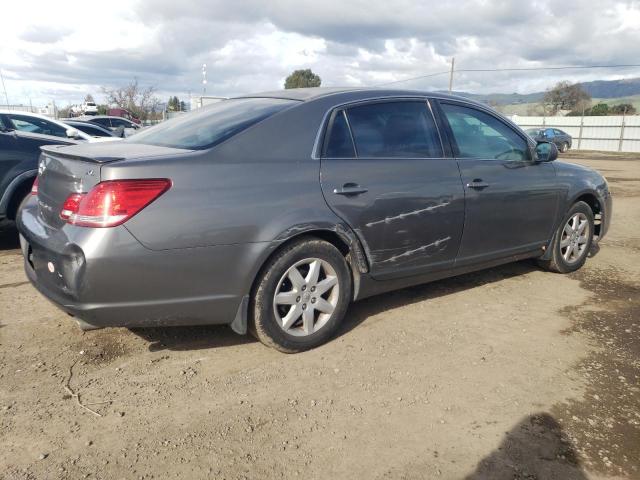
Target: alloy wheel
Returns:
[575, 237]
[306, 296]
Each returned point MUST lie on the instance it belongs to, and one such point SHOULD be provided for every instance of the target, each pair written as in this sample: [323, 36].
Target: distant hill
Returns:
[597, 89]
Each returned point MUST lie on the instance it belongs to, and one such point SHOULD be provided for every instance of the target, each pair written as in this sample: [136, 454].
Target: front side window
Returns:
[211, 125]
[480, 135]
[394, 129]
[24, 123]
[105, 122]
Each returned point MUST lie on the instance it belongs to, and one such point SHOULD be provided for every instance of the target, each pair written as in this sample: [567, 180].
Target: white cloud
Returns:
[61, 53]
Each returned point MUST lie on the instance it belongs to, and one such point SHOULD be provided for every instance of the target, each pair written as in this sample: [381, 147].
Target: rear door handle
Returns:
[350, 189]
[477, 184]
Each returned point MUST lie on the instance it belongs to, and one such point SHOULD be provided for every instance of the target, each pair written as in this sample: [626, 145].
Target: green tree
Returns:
[598, 110]
[622, 109]
[302, 79]
[566, 96]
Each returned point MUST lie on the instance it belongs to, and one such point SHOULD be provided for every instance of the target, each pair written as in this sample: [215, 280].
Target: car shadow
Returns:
[363, 309]
[9, 239]
[190, 338]
[218, 336]
[536, 448]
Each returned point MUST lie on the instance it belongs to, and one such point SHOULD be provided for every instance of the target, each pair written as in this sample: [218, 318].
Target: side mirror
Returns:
[546, 152]
[73, 133]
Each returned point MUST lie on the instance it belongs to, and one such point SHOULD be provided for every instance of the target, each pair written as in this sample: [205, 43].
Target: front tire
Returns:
[572, 241]
[301, 296]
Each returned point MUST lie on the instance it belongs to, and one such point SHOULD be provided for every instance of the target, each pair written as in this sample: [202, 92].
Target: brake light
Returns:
[34, 187]
[112, 202]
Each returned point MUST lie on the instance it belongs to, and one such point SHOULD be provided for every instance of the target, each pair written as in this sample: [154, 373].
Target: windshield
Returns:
[210, 125]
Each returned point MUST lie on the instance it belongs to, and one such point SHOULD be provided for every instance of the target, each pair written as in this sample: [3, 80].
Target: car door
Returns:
[383, 171]
[511, 201]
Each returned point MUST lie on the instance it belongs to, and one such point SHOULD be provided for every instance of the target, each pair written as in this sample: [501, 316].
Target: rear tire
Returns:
[564, 147]
[301, 296]
[572, 241]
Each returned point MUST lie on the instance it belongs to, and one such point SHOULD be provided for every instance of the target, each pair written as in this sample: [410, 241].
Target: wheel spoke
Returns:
[323, 286]
[582, 240]
[287, 298]
[314, 272]
[323, 306]
[582, 227]
[307, 320]
[565, 242]
[567, 254]
[574, 222]
[567, 228]
[296, 279]
[291, 317]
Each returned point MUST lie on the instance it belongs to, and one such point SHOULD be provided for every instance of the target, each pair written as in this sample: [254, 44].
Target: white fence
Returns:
[609, 133]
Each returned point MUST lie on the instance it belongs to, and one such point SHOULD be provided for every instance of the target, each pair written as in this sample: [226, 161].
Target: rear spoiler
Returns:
[54, 151]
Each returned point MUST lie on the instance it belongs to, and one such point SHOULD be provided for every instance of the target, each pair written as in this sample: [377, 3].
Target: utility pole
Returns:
[204, 79]
[6, 97]
[453, 62]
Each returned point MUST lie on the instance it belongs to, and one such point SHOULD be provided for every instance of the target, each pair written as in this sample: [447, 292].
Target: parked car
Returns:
[115, 124]
[91, 129]
[89, 108]
[561, 139]
[21, 136]
[124, 113]
[272, 212]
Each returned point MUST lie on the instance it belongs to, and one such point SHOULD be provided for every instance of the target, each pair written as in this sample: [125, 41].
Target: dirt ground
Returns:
[509, 373]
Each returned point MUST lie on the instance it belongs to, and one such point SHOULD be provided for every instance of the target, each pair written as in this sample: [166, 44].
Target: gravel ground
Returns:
[509, 373]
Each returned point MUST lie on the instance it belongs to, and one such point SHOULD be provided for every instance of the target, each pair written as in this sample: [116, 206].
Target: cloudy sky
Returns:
[62, 50]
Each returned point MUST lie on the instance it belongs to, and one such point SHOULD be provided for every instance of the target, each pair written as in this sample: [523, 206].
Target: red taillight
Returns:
[112, 202]
[34, 187]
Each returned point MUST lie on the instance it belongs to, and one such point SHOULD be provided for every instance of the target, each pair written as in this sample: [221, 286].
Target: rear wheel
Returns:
[564, 147]
[301, 296]
[572, 241]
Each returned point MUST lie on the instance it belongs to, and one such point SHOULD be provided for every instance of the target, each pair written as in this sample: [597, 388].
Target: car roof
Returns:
[313, 93]
[88, 118]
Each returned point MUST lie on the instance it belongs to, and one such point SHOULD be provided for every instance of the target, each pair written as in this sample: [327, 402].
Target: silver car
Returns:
[272, 212]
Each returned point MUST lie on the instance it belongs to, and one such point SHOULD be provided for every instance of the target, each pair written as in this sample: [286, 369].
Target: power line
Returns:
[512, 69]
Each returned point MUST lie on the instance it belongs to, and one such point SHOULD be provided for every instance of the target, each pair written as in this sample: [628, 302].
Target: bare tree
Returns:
[89, 98]
[138, 100]
[566, 96]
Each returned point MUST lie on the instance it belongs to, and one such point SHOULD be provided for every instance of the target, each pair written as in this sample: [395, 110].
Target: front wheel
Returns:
[301, 296]
[572, 241]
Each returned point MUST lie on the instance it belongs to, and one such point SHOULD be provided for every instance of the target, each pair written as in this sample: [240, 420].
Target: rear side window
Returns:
[339, 143]
[208, 126]
[480, 135]
[394, 129]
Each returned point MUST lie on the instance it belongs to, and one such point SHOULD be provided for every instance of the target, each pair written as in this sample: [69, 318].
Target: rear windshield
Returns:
[210, 125]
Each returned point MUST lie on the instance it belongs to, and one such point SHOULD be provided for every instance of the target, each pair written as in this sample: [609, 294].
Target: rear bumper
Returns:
[105, 277]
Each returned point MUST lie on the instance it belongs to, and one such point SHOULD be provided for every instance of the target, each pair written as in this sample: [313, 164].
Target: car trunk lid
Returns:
[64, 170]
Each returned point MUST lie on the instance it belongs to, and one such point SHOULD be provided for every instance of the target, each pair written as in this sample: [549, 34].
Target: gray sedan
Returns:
[272, 212]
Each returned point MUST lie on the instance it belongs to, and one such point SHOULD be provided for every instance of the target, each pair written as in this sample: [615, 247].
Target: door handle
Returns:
[477, 184]
[350, 189]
